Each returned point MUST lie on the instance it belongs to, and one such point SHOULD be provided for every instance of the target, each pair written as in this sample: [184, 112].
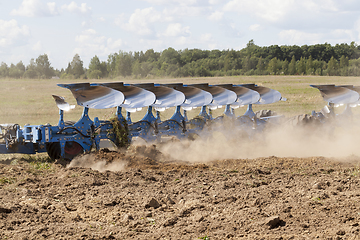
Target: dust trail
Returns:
[88, 161]
[281, 141]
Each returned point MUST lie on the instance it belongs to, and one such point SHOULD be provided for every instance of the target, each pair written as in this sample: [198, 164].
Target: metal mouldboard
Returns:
[165, 97]
[245, 96]
[194, 97]
[267, 95]
[221, 96]
[61, 104]
[135, 97]
[337, 94]
[98, 97]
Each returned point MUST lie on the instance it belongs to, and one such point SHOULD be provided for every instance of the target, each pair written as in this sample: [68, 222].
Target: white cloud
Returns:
[295, 37]
[342, 36]
[52, 8]
[90, 37]
[174, 2]
[90, 43]
[11, 33]
[320, 5]
[158, 24]
[357, 29]
[215, 2]
[216, 16]
[334, 36]
[292, 12]
[184, 11]
[37, 46]
[157, 44]
[140, 22]
[212, 46]
[114, 44]
[181, 41]
[176, 29]
[90, 31]
[270, 10]
[206, 37]
[35, 8]
[120, 20]
[207, 41]
[83, 9]
[255, 27]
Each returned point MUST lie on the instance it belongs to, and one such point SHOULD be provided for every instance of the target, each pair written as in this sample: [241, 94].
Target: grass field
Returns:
[29, 101]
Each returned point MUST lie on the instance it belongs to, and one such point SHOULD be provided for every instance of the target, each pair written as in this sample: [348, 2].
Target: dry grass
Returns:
[28, 101]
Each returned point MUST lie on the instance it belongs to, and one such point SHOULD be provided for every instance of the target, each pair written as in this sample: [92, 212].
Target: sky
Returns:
[61, 28]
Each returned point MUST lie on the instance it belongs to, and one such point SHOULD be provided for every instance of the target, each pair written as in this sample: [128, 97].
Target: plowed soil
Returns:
[141, 194]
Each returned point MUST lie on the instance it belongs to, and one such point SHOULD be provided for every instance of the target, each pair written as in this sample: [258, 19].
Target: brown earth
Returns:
[148, 196]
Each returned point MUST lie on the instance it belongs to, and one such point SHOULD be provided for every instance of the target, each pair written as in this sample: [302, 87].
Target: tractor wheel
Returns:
[72, 149]
[54, 150]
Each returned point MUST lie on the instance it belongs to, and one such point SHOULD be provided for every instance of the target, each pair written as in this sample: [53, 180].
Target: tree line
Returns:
[319, 59]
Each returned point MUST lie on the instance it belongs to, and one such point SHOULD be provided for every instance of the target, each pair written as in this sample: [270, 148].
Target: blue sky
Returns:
[61, 29]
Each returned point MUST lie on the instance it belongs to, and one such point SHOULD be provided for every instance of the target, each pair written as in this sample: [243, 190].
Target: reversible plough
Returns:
[69, 139]
[344, 96]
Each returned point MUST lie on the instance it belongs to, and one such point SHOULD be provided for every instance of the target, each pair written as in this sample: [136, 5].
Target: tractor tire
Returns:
[72, 149]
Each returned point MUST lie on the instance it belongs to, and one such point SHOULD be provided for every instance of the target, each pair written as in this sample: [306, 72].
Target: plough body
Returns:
[68, 139]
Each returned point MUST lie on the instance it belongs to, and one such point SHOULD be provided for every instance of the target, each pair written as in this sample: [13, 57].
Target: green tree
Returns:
[4, 70]
[43, 67]
[344, 61]
[301, 66]
[151, 56]
[246, 63]
[343, 65]
[170, 56]
[21, 67]
[310, 66]
[292, 66]
[76, 67]
[319, 67]
[327, 53]
[103, 68]
[94, 74]
[285, 67]
[191, 55]
[13, 71]
[16, 71]
[272, 66]
[123, 65]
[111, 65]
[201, 72]
[274, 51]
[215, 54]
[96, 69]
[261, 64]
[332, 67]
[250, 49]
[232, 61]
[30, 71]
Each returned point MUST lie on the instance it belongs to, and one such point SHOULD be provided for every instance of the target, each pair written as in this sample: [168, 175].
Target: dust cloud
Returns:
[89, 161]
[229, 140]
[284, 140]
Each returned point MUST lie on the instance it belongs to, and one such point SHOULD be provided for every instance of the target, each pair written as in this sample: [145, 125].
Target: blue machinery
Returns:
[68, 139]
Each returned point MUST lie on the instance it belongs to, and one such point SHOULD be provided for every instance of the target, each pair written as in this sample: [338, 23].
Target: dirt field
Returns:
[146, 195]
[288, 185]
